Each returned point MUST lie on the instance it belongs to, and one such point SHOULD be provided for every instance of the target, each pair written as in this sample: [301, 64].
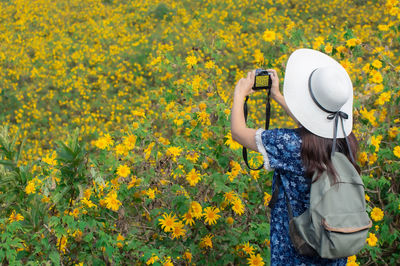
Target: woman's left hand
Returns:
[244, 86]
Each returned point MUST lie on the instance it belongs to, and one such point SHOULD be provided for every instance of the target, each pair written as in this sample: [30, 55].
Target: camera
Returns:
[262, 80]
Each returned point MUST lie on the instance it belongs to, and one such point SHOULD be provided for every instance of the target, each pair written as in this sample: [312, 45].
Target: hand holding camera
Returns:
[259, 79]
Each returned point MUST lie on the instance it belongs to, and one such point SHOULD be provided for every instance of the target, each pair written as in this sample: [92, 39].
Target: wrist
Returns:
[238, 96]
[277, 97]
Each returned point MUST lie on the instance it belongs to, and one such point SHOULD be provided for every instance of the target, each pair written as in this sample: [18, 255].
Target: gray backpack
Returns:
[336, 223]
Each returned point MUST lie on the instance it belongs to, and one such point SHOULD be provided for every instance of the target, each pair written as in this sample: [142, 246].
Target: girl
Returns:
[318, 96]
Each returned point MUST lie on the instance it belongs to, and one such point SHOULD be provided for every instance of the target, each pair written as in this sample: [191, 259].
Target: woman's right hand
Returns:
[275, 93]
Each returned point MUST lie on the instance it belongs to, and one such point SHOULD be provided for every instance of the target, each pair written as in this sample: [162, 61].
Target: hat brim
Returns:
[298, 99]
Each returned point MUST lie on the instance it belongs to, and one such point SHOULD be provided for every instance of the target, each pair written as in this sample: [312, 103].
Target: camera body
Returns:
[262, 80]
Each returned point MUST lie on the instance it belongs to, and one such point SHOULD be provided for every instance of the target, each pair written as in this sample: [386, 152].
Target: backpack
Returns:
[336, 223]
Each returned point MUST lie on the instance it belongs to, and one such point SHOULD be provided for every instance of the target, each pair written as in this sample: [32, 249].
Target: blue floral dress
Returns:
[281, 151]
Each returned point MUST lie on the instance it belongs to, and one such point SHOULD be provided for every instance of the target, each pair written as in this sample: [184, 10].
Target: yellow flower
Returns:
[258, 56]
[376, 77]
[351, 261]
[209, 64]
[248, 248]
[147, 151]
[207, 241]
[372, 239]
[367, 198]
[255, 260]
[130, 141]
[375, 141]
[133, 182]
[151, 193]
[204, 118]
[372, 159]
[188, 218]
[318, 41]
[120, 149]
[351, 42]
[351, 258]
[369, 115]
[191, 60]
[230, 196]
[123, 170]
[187, 255]
[341, 49]
[75, 212]
[193, 157]
[120, 239]
[377, 214]
[377, 88]
[267, 198]
[235, 167]
[229, 220]
[393, 132]
[377, 64]
[367, 68]
[112, 202]
[193, 177]
[383, 27]
[104, 142]
[88, 203]
[174, 152]
[168, 262]
[77, 235]
[50, 158]
[383, 115]
[328, 48]
[211, 215]
[163, 141]
[196, 209]
[177, 230]
[238, 207]
[383, 98]
[62, 243]
[152, 260]
[363, 158]
[14, 217]
[30, 188]
[396, 151]
[255, 175]
[167, 222]
[269, 36]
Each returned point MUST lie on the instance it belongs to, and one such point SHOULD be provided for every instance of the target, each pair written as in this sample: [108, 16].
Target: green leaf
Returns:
[55, 257]
[181, 204]
[20, 149]
[8, 163]
[88, 237]
[12, 144]
[57, 197]
[54, 220]
[109, 250]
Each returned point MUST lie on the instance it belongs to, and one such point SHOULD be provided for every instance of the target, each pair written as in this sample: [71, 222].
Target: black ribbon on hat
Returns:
[332, 115]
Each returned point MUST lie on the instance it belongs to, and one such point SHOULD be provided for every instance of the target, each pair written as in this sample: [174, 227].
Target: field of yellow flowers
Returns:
[115, 144]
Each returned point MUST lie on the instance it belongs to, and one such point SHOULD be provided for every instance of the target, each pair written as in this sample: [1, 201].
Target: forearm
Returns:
[240, 132]
[237, 115]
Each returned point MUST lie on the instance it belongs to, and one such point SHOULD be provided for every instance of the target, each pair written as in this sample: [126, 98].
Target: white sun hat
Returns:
[318, 92]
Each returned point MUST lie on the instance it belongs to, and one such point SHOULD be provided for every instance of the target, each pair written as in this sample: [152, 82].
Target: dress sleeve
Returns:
[280, 149]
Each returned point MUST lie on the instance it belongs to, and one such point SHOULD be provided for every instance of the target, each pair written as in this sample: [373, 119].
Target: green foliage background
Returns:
[73, 71]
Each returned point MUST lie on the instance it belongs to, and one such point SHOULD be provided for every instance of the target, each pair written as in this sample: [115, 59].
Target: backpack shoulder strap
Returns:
[274, 197]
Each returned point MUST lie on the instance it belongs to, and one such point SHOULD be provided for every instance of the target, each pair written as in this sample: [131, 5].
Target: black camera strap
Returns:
[267, 118]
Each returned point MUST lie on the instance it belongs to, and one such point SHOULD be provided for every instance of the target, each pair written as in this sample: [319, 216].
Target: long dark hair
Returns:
[316, 153]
